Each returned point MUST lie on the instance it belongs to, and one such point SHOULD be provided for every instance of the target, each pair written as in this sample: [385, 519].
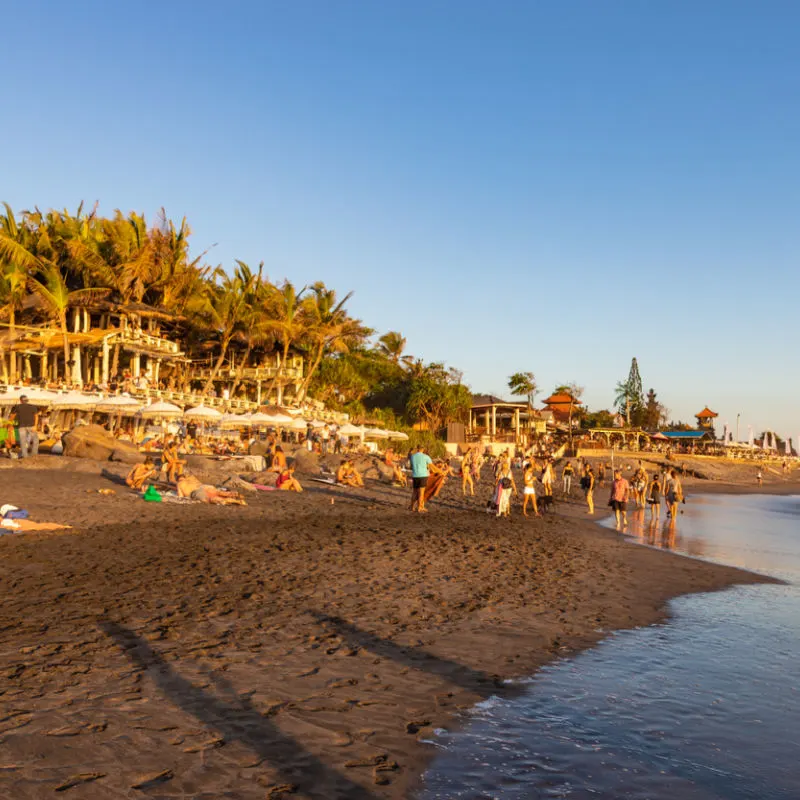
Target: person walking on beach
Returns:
[547, 477]
[759, 477]
[654, 498]
[505, 485]
[420, 461]
[620, 489]
[566, 478]
[601, 474]
[674, 494]
[466, 473]
[587, 484]
[26, 415]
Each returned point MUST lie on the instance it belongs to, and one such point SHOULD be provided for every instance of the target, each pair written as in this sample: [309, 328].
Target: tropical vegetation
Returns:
[68, 273]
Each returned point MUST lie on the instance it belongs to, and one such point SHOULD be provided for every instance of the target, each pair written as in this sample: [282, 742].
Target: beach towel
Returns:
[25, 525]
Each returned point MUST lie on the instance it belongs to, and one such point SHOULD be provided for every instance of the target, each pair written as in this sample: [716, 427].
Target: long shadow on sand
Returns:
[237, 720]
[473, 680]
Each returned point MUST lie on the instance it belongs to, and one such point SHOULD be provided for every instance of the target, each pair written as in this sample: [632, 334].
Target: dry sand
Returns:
[298, 647]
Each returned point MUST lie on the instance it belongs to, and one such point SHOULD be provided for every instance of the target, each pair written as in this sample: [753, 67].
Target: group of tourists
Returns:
[646, 492]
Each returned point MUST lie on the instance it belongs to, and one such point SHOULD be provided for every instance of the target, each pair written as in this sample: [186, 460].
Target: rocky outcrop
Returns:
[92, 441]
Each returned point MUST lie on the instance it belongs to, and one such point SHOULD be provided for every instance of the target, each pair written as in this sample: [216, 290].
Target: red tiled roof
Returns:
[706, 413]
[562, 397]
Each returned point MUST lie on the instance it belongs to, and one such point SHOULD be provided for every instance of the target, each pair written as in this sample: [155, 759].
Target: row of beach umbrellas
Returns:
[124, 405]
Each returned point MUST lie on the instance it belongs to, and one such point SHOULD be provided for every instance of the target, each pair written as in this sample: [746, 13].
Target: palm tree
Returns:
[225, 304]
[392, 345]
[329, 328]
[289, 323]
[523, 384]
[622, 398]
[56, 299]
[13, 277]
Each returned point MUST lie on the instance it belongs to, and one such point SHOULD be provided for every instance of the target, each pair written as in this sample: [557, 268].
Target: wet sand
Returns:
[297, 647]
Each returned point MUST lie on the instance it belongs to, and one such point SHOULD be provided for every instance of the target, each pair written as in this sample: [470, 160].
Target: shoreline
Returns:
[309, 640]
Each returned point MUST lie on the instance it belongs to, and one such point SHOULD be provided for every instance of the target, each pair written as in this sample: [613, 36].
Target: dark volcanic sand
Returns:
[187, 651]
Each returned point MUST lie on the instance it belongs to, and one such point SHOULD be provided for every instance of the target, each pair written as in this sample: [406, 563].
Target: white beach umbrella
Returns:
[280, 420]
[725, 434]
[233, 421]
[260, 420]
[37, 397]
[376, 433]
[202, 414]
[297, 425]
[773, 441]
[350, 430]
[750, 440]
[119, 404]
[161, 410]
[74, 401]
[317, 423]
[399, 435]
[787, 446]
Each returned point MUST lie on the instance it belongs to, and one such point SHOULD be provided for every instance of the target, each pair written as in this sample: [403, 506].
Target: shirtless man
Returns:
[141, 473]
[172, 462]
[189, 486]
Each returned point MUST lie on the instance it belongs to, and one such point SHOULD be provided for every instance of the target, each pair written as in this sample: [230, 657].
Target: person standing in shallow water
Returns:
[566, 478]
[620, 489]
[587, 484]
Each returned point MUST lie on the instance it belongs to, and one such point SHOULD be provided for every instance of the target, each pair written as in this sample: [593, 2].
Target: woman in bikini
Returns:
[529, 489]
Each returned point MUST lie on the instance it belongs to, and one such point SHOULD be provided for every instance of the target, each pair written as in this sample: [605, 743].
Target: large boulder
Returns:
[92, 441]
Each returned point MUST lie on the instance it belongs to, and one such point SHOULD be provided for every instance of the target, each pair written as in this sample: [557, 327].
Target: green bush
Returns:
[428, 440]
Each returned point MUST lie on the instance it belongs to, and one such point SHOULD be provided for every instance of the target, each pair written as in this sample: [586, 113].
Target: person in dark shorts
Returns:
[620, 489]
[420, 461]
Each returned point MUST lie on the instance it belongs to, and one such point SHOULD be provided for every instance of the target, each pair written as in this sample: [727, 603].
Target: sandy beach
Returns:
[304, 646]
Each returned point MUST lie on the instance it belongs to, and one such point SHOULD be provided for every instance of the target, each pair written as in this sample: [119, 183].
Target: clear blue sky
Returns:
[547, 186]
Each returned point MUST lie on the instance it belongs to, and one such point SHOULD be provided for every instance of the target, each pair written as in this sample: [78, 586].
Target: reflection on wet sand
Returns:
[664, 534]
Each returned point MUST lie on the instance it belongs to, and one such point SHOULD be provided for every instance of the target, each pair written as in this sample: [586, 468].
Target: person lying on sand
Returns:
[189, 486]
[287, 481]
[141, 473]
[348, 475]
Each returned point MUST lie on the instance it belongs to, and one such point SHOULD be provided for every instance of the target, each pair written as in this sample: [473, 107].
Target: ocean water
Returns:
[704, 707]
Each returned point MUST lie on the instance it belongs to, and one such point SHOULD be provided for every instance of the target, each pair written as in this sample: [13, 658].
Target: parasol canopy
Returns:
[350, 430]
[259, 419]
[297, 424]
[232, 421]
[37, 397]
[376, 433]
[119, 404]
[202, 414]
[74, 401]
[161, 410]
[400, 436]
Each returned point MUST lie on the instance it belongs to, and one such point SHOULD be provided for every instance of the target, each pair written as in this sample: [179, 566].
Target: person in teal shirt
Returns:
[420, 461]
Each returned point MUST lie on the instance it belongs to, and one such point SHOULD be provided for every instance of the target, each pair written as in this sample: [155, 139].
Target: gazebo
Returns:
[496, 419]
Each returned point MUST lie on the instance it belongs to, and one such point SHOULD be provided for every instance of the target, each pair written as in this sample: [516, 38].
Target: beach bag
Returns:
[151, 495]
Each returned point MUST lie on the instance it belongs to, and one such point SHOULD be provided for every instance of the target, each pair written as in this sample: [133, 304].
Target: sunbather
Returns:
[287, 481]
[348, 475]
[189, 486]
[141, 473]
[172, 462]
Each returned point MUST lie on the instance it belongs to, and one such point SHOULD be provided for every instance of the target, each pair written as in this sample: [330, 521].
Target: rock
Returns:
[258, 448]
[305, 462]
[92, 441]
